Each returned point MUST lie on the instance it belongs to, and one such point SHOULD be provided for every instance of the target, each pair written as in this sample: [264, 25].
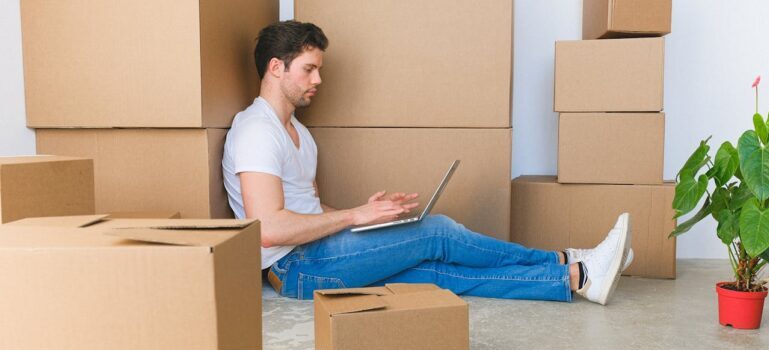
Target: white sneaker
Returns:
[603, 265]
[574, 255]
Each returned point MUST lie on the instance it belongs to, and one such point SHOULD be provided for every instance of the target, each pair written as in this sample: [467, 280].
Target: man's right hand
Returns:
[379, 210]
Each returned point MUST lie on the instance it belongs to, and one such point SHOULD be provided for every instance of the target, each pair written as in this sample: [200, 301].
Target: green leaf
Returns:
[765, 255]
[720, 201]
[754, 163]
[698, 159]
[726, 163]
[740, 195]
[688, 224]
[754, 228]
[760, 126]
[728, 226]
[688, 192]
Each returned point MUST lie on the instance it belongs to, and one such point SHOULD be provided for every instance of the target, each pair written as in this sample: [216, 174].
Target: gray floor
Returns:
[644, 314]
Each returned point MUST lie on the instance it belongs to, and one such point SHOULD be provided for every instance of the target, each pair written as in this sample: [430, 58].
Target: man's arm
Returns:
[263, 199]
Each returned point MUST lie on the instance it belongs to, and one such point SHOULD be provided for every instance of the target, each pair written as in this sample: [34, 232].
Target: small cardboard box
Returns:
[140, 63]
[418, 63]
[553, 216]
[611, 148]
[396, 316]
[354, 163]
[32, 186]
[132, 284]
[149, 170]
[625, 18]
[616, 75]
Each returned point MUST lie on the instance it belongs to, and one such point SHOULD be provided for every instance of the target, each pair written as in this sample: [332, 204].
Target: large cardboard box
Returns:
[149, 169]
[616, 75]
[625, 18]
[611, 148]
[549, 215]
[140, 63]
[137, 284]
[354, 163]
[32, 186]
[419, 63]
[396, 316]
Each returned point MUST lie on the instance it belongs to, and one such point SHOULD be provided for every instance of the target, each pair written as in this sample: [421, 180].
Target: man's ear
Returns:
[275, 67]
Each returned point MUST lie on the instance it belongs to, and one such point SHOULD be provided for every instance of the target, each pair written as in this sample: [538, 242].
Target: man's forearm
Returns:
[326, 208]
[286, 227]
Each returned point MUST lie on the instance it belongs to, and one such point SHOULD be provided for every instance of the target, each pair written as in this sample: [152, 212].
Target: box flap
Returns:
[350, 303]
[182, 224]
[193, 238]
[356, 291]
[425, 299]
[5, 160]
[60, 221]
[145, 215]
[405, 288]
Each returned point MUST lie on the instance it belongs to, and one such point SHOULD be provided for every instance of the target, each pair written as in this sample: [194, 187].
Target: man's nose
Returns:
[316, 80]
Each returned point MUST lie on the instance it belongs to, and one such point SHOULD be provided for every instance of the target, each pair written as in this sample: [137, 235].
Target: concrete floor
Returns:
[644, 314]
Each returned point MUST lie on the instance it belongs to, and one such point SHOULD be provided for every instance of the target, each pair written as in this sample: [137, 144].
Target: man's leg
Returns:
[349, 259]
[541, 282]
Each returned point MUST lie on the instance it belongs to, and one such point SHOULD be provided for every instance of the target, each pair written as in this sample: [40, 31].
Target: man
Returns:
[269, 166]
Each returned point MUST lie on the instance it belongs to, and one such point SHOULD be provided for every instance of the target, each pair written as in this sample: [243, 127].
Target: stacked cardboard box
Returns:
[609, 95]
[397, 105]
[101, 84]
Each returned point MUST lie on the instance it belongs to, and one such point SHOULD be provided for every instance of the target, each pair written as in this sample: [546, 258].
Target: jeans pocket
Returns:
[307, 284]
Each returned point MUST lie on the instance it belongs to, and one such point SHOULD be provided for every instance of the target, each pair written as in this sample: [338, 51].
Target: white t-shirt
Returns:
[258, 142]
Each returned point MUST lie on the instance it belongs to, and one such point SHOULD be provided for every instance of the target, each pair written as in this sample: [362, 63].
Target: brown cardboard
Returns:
[616, 75]
[423, 63]
[611, 148]
[354, 163]
[396, 316]
[115, 289]
[549, 215]
[33, 186]
[155, 170]
[181, 65]
[625, 18]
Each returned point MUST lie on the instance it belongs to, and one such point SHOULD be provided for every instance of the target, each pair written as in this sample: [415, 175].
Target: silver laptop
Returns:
[425, 212]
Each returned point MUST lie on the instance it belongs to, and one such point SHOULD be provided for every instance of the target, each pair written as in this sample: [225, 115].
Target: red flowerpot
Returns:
[740, 309]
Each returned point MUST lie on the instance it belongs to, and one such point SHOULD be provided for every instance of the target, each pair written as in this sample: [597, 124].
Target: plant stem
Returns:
[732, 260]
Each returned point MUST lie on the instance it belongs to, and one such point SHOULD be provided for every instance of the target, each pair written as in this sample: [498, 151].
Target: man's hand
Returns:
[379, 210]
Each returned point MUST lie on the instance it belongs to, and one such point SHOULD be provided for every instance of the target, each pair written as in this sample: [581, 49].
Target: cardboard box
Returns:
[422, 63]
[396, 316]
[141, 284]
[354, 163]
[33, 186]
[140, 63]
[617, 75]
[549, 215]
[625, 18]
[155, 170]
[611, 148]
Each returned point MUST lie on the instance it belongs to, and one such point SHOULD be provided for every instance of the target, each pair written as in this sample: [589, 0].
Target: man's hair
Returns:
[286, 40]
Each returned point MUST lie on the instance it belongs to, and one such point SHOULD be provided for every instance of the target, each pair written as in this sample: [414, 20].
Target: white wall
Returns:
[15, 138]
[716, 49]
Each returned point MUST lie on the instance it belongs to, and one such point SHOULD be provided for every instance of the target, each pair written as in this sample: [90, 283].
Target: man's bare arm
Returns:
[263, 199]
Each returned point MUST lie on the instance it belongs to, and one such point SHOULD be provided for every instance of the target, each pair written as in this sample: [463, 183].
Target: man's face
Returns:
[300, 82]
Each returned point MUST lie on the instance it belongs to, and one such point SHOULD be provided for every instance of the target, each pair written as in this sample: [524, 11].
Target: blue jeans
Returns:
[436, 250]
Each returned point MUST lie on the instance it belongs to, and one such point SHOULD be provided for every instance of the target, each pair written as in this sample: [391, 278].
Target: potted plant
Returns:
[739, 202]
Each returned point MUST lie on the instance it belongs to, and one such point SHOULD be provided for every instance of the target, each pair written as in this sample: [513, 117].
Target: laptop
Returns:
[425, 212]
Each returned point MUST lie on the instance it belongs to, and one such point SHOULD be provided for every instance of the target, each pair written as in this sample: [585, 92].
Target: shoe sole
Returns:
[614, 272]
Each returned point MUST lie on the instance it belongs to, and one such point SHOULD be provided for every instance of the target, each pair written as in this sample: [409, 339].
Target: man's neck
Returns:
[282, 107]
